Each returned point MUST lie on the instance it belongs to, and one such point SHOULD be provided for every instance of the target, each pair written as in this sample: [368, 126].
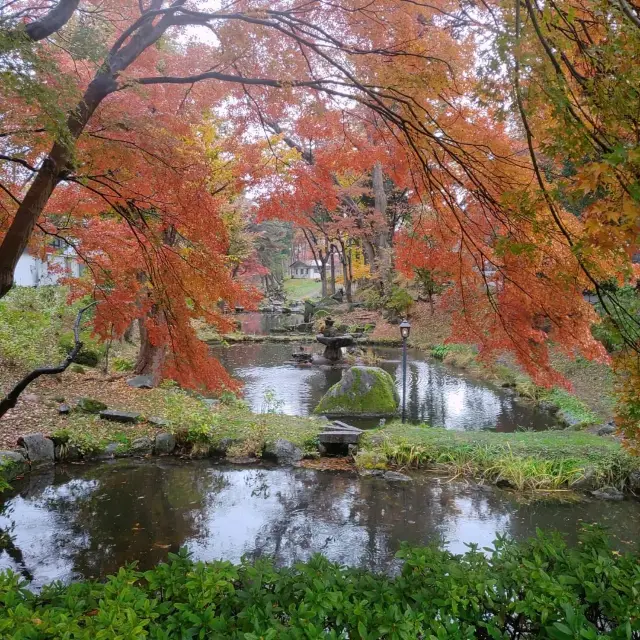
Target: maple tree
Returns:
[120, 170]
[509, 129]
[489, 201]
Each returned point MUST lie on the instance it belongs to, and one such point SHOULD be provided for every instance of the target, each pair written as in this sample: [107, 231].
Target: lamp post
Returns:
[405, 330]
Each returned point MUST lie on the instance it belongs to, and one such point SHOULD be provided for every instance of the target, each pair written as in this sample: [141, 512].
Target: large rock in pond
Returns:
[165, 444]
[39, 450]
[363, 391]
[142, 446]
[634, 482]
[283, 451]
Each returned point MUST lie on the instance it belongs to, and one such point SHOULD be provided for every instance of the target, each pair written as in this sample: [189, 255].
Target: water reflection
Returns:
[87, 521]
[436, 394]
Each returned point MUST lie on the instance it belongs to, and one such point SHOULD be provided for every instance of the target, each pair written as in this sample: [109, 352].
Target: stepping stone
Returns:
[141, 382]
[339, 437]
[119, 416]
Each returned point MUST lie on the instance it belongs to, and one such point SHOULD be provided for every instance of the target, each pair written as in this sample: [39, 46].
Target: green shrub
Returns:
[90, 353]
[536, 589]
[372, 299]
[192, 420]
[86, 443]
[399, 301]
[439, 351]
[371, 460]
[31, 321]
[122, 364]
[229, 399]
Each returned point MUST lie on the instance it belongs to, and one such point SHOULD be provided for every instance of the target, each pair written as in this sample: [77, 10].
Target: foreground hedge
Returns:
[537, 589]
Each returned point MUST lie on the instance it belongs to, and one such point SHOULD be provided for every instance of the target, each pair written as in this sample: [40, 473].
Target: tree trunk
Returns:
[332, 288]
[385, 261]
[370, 255]
[58, 162]
[127, 336]
[323, 280]
[50, 173]
[347, 278]
[151, 357]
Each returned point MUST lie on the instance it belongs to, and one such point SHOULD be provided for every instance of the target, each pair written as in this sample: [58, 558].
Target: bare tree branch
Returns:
[10, 400]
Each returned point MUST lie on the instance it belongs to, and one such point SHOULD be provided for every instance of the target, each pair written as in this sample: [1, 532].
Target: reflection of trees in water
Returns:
[120, 513]
[102, 517]
[32, 486]
[362, 521]
[8, 543]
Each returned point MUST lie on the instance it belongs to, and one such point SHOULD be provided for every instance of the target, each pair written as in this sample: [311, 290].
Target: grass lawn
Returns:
[301, 288]
[528, 460]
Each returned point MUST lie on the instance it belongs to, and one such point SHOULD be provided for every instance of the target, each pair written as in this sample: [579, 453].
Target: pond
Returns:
[435, 393]
[87, 520]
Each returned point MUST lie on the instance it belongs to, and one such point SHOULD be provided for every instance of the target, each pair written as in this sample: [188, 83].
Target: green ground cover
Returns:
[536, 589]
[528, 460]
[301, 288]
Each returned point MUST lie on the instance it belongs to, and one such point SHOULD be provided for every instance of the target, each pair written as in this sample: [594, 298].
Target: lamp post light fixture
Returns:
[405, 330]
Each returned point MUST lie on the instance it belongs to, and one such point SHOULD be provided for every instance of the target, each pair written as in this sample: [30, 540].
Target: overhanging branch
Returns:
[10, 400]
[214, 75]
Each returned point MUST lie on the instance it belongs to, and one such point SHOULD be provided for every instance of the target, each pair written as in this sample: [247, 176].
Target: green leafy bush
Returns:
[399, 300]
[621, 319]
[439, 351]
[31, 321]
[122, 364]
[371, 298]
[537, 589]
[91, 351]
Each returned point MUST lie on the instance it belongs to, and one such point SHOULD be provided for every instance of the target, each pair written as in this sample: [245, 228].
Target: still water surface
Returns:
[435, 393]
[86, 521]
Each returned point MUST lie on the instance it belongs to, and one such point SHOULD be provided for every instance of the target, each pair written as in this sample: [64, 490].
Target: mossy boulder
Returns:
[91, 405]
[363, 391]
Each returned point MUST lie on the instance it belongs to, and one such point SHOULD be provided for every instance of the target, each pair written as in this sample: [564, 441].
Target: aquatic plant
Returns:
[525, 461]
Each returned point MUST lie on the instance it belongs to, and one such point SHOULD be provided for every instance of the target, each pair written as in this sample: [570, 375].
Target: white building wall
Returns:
[25, 274]
[34, 272]
[311, 272]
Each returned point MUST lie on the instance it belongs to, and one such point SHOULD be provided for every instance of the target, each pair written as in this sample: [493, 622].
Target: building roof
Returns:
[302, 263]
